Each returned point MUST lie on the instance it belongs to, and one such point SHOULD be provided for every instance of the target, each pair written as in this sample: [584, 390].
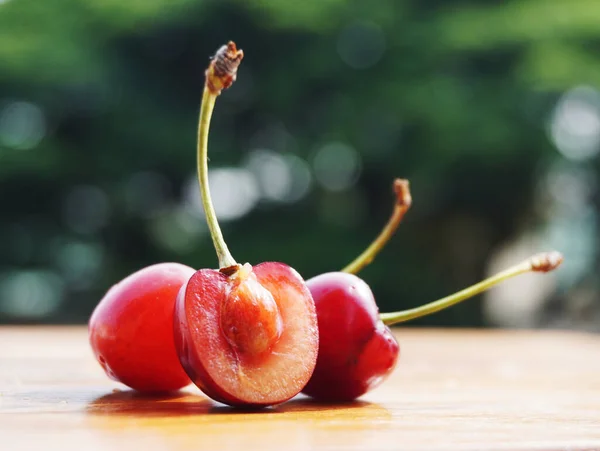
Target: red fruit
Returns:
[131, 329]
[356, 350]
[246, 336]
[249, 338]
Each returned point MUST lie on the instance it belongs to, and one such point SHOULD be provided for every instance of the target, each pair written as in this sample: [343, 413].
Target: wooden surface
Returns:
[453, 390]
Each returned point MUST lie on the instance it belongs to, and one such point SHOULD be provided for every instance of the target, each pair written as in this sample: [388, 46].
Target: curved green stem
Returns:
[221, 73]
[208, 104]
[403, 203]
[544, 262]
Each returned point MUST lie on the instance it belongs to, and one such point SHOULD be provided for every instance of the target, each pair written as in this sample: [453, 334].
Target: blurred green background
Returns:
[490, 108]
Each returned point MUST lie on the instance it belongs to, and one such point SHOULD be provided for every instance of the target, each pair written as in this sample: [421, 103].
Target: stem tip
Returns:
[401, 206]
[546, 261]
[222, 71]
[402, 190]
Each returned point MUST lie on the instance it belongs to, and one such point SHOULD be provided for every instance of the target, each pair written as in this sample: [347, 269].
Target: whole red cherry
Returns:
[357, 350]
[131, 329]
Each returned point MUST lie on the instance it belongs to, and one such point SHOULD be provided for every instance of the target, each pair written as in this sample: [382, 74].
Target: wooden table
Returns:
[463, 390]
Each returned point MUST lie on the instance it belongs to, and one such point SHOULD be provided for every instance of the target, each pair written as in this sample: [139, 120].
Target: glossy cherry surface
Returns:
[131, 329]
[356, 350]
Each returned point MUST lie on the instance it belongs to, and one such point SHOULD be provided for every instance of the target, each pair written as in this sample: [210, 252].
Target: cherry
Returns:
[357, 350]
[246, 335]
[131, 329]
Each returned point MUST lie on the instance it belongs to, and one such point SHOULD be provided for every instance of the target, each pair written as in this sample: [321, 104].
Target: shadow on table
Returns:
[134, 404]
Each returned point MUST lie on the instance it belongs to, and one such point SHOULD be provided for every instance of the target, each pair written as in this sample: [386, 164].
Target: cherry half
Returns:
[246, 335]
[357, 350]
[131, 329]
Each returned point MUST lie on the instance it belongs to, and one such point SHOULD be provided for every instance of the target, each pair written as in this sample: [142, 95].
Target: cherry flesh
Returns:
[356, 350]
[131, 329]
[250, 338]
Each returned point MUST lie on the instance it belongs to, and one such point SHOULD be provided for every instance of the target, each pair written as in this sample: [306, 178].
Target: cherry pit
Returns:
[258, 334]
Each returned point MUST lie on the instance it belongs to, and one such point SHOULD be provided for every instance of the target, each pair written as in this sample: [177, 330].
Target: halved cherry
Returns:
[250, 337]
[245, 335]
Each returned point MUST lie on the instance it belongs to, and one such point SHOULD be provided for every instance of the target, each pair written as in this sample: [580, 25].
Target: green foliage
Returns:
[457, 103]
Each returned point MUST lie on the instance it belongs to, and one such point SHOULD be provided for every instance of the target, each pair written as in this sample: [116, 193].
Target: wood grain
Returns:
[453, 390]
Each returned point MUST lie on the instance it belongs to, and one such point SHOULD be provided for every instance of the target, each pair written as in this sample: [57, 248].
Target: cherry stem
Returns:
[543, 262]
[221, 73]
[401, 206]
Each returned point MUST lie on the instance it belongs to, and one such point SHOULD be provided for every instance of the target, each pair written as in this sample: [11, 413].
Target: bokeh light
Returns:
[86, 209]
[234, 192]
[30, 294]
[361, 44]
[146, 193]
[519, 302]
[80, 263]
[22, 125]
[572, 219]
[177, 229]
[575, 126]
[281, 178]
[337, 166]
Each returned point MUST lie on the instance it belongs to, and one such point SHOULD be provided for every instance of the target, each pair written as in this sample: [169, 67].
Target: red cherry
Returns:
[131, 329]
[356, 350]
[245, 335]
[250, 338]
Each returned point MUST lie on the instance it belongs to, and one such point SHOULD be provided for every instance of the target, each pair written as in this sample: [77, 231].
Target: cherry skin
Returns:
[131, 329]
[249, 338]
[357, 352]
